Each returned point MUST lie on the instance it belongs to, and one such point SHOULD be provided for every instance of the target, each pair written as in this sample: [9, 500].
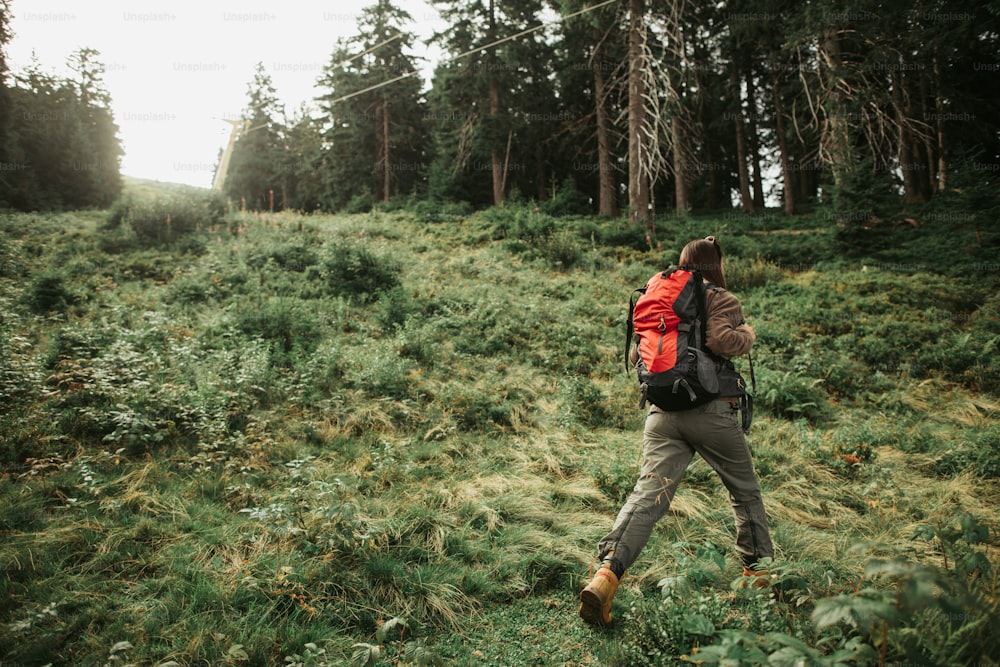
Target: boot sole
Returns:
[592, 609]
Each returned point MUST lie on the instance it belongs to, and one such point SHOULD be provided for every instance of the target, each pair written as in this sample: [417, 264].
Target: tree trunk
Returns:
[496, 158]
[638, 184]
[714, 195]
[386, 165]
[758, 183]
[836, 135]
[787, 176]
[714, 182]
[680, 168]
[607, 198]
[746, 203]
[907, 157]
[942, 144]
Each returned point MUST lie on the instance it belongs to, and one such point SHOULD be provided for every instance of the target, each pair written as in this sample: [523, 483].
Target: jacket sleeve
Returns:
[727, 335]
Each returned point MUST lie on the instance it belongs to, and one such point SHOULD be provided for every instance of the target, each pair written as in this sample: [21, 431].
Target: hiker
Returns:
[670, 440]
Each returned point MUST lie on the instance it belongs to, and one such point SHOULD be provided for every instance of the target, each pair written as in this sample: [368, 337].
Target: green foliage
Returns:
[903, 611]
[587, 403]
[615, 477]
[353, 270]
[222, 458]
[290, 326]
[165, 219]
[789, 394]
[432, 210]
[376, 143]
[743, 274]
[566, 200]
[61, 147]
[686, 615]
[48, 293]
[977, 450]
[921, 613]
[380, 372]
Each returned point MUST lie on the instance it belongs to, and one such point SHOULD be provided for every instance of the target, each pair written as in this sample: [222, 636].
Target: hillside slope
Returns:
[396, 439]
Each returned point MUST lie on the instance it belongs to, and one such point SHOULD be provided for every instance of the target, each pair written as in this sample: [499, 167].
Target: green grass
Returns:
[262, 443]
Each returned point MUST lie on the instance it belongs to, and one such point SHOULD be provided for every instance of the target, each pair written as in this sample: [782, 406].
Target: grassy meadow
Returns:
[395, 438]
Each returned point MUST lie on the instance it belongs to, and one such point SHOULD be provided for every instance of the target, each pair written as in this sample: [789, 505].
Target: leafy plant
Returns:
[161, 219]
[353, 270]
[48, 293]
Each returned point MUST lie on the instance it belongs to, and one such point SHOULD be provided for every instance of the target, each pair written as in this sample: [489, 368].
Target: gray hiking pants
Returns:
[669, 441]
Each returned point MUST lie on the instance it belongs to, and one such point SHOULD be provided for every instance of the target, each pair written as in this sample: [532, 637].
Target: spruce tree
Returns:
[591, 79]
[254, 177]
[492, 102]
[373, 109]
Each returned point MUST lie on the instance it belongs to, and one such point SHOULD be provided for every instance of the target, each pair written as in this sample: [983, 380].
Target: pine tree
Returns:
[304, 164]
[591, 80]
[62, 150]
[254, 177]
[5, 103]
[374, 111]
[492, 101]
[102, 171]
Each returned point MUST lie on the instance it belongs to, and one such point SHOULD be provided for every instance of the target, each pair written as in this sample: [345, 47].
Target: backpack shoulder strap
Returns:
[630, 324]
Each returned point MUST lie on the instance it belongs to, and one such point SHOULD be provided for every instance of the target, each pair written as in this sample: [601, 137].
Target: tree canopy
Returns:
[655, 109]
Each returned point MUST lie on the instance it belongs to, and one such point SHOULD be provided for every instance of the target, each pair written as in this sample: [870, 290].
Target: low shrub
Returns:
[978, 450]
[289, 325]
[353, 270]
[790, 395]
[49, 293]
[165, 218]
[293, 257]
[616, 478]
[587, 404]
[381, 373]
[746, 274]
[567, 200]
[432, 210]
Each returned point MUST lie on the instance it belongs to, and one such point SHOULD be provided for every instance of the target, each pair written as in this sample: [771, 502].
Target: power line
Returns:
[471, 51]
[363, 53]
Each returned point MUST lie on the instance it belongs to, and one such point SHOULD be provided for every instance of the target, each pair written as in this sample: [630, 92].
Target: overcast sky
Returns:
[175, 69]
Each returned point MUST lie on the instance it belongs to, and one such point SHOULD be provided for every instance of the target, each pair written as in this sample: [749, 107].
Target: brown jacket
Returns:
[727, 334]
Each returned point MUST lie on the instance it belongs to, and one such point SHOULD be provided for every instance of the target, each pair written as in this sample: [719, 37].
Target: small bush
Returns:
[980, 452]
[359, 203]
[561, 250]
[48, 293]
[352, 270]
[191, 290]
[432, 210]
[164, 219]
[744, 274]
[288, 325]
[790, 395]
[290, 257]
[567, 200]
[616, 478]
[395, 307]
[382, 373]
[587, 402]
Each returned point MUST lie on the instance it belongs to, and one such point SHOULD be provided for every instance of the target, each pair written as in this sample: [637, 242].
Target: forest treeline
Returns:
[59, 145]
[649, 108]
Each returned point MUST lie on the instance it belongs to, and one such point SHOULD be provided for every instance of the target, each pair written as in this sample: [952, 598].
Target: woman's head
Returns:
[706, 256]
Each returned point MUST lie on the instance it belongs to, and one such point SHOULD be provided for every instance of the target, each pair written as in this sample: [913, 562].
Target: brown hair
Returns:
[706, 256]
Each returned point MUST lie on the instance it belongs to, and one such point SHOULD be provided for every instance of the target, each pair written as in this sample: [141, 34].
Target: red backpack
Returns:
[667, 323]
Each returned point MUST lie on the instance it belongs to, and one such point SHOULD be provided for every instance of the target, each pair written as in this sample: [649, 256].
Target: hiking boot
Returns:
[760, 578]
[595, 599]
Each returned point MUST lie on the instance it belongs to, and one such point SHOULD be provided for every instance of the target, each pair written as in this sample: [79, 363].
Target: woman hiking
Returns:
[670, 440]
